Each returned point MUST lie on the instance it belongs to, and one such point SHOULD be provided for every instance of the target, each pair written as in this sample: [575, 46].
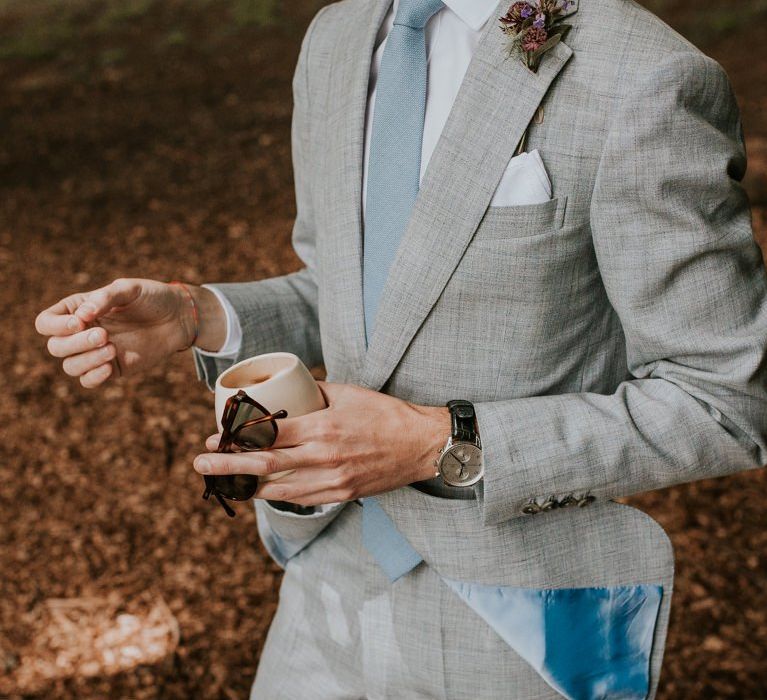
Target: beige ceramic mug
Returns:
[276, 380]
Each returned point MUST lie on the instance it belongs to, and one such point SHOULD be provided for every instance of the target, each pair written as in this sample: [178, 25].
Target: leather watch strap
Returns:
[463, 420]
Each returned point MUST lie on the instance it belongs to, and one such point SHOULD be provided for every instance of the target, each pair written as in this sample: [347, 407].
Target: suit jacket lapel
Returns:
[346, 103]
[497, 99]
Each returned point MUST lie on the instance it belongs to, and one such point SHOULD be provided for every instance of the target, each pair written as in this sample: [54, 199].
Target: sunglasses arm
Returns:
[210, 491]
[282, 413]
[227, 508]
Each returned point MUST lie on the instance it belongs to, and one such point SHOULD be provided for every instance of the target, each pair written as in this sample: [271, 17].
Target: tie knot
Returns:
[416, 13]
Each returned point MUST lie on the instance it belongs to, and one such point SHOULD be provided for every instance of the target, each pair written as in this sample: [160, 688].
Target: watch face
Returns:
[461, 464]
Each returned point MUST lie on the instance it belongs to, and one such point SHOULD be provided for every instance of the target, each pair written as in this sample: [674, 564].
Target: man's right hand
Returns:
[128, 326]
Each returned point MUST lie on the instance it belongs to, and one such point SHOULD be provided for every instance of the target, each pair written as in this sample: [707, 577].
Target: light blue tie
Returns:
[394, 162]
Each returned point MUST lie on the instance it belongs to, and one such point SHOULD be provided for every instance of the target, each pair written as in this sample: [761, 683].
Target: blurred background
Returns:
[151, 138]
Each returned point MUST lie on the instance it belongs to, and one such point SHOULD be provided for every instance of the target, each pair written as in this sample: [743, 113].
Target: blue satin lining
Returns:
[586, 643]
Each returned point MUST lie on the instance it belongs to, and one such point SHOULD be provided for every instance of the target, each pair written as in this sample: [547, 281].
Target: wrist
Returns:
[187, 321]
[211, 319]
[435, 427]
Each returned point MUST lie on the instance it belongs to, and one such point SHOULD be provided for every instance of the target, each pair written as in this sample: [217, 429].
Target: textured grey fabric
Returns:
[293, 526]
[612, 339]
[343, 631]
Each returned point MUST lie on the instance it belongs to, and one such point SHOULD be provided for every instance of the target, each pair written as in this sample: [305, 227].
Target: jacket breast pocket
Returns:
[522, 221]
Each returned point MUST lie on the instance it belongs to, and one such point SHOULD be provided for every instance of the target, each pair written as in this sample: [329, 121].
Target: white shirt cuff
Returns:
[233, 341]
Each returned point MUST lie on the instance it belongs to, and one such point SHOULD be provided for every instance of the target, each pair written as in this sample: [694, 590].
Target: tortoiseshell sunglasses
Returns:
[249, 426]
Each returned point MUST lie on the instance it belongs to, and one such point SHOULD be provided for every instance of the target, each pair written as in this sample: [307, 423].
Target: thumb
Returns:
[121, 292]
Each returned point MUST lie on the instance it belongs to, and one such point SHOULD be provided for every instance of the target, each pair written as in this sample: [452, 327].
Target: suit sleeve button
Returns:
[531, 508]
[549, 504]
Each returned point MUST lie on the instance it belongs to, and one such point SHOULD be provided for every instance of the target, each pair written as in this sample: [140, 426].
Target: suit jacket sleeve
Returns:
[672, 233]
[280, 313]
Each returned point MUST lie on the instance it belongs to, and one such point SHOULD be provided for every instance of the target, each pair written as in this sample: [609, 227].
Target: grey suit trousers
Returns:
[331, 640]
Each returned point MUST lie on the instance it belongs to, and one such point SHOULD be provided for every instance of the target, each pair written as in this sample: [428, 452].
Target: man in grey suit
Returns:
[535, 292]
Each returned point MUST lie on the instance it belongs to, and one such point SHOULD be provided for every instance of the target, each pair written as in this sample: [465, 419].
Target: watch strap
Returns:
[463, 419]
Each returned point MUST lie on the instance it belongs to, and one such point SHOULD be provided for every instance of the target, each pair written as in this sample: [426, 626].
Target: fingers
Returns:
[300, 430]
[58, 319]
[335, 391]
[96, 377]
[291, 432]
[73, 313]
[87, 352]
[307, 488]
[79, 365]
[64, 346]
[312, 481]
[211, 443]
[121, 292]
[259, 463]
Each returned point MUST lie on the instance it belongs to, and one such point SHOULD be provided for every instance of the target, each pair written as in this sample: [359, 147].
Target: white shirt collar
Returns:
[474, 13]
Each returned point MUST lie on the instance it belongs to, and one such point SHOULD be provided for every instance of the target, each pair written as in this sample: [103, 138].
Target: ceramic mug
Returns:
[276, 380]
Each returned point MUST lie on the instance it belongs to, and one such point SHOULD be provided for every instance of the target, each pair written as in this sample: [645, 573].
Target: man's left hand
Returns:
[364, 443]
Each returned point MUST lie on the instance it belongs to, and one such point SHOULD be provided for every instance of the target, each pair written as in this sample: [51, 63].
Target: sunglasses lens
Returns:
[243, 424]
[253, 435]
[237, 487]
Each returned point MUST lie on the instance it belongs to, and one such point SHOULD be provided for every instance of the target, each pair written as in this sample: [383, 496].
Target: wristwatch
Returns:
[460, 461]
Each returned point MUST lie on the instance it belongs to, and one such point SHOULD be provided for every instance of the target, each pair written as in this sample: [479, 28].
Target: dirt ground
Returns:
[151, 138]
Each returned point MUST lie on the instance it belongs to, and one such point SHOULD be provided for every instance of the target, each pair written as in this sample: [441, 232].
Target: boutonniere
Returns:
[535, 26]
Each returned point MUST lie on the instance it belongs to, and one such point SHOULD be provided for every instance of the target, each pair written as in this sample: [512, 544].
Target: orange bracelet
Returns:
[195, 314]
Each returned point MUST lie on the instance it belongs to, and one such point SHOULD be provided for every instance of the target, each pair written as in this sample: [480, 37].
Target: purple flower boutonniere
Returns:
[535, 26]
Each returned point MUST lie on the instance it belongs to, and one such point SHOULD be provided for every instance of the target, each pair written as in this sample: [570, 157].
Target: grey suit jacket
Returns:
[612, 339]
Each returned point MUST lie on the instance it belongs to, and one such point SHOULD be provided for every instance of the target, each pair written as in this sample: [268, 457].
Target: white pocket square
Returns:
[524, 182]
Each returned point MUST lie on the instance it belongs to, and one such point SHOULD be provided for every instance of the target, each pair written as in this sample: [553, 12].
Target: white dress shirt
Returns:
[452, 35]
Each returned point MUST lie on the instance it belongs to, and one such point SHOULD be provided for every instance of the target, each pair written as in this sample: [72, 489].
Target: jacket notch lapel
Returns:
[346, 105]
[497, 100]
